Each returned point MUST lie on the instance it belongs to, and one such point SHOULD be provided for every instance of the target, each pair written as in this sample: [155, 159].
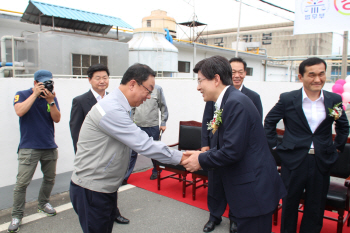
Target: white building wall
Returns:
[186, 54]
[184, 103]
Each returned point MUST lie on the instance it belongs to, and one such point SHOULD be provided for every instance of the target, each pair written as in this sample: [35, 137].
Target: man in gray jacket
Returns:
[146, 116]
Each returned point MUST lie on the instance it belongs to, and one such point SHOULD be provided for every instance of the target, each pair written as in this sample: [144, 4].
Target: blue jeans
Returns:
[152, 132]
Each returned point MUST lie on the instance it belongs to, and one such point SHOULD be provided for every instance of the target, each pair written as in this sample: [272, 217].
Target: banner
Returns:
[314, 16]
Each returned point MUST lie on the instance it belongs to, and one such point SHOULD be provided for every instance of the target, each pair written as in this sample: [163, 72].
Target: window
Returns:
[219, 41]
[203, 41]
[81, 62]
[148, 23]
[249, 71]
[184, 66]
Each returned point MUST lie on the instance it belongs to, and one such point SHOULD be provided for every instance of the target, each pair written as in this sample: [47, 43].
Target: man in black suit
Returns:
[98, 76]
[241, 155]
[307, 150]
[216, 201]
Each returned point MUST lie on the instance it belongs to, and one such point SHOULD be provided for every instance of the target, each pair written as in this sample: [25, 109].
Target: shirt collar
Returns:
[97, 96]
[240, 88]
[305, 97]
[219, 100]
[122, 99]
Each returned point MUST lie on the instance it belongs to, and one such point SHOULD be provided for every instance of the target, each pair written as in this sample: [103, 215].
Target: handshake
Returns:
[190, 160]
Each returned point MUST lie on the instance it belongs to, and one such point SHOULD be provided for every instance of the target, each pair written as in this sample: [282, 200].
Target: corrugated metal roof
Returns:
[70, 18]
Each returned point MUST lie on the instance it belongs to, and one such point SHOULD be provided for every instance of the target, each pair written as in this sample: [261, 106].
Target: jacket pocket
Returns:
[330, 149]
[243, 179]
[285, 145]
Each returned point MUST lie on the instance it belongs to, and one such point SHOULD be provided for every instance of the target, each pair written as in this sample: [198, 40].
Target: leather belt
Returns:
[311, 151]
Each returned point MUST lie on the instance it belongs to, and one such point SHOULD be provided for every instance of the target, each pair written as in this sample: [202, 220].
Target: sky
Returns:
[217, 14]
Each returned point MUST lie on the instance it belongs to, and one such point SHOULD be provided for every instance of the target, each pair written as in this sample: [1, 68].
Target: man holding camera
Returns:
[38, 109]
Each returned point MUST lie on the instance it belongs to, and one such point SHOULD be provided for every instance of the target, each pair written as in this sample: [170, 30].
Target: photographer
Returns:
[37, 108]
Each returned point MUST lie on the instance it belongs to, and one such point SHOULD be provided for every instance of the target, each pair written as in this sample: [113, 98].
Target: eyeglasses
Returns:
[199, 81]
[149, 92]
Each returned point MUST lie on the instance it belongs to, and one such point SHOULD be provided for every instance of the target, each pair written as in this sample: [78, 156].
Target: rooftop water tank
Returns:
[149, 46]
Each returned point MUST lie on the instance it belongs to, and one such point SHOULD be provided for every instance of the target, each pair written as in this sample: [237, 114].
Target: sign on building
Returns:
[314, 16]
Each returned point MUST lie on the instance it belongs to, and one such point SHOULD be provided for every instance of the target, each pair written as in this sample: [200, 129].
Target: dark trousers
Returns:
[96, 211]
[152, 132]
[216, 197]
[258, 224]
[307, 176]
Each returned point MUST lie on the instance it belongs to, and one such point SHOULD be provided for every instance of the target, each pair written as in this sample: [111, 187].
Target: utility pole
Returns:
[239, 22]
[344, 65]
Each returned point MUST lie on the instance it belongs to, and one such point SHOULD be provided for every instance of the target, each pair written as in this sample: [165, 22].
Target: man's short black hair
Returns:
[138, 72]
[311, 62]
[211, 66]
[97, 67]
[239, 59]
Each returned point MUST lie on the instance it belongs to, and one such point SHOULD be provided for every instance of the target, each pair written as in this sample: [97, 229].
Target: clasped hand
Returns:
[190, 160]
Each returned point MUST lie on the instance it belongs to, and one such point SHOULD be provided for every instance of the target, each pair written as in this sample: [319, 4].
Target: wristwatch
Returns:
[52, 103]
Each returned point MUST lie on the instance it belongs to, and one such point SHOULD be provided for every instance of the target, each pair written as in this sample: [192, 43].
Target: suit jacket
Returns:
[242, 158]
[81, 105]
[298, 136]
[209, 112]
[255, 97]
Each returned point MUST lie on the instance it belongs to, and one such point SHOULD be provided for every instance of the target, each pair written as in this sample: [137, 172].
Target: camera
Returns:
[48, 85]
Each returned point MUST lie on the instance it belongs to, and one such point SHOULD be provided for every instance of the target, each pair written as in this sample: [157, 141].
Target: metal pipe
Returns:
[2, 69]
[239, 23]
[13, 58]
[345, 54]
[3, 46]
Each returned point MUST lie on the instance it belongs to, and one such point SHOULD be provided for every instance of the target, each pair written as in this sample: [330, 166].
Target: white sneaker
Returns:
[14, 225]
[48, 210]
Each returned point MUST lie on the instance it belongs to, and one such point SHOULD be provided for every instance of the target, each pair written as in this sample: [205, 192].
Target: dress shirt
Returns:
[314, 111]
[240, 88]
[97, 96]
[219, 100]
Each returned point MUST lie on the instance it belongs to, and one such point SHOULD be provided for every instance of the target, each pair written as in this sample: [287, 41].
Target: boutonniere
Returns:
[336, 111]
[215, 123]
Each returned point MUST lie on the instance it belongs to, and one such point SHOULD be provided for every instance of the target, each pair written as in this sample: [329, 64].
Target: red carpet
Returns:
[173, 189]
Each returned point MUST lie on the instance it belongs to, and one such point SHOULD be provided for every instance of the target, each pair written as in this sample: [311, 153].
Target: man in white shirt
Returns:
[307, 150]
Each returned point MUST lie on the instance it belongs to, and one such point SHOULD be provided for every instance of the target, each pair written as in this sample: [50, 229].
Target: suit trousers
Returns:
[217, 202]
[307, 176]
[96, 210]
[257, 224]
[152, 132]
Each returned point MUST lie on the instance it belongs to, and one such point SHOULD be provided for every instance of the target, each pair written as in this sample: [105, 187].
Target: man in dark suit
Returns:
[307, 150]
[98, 76]
[241, 154]
[216, 201]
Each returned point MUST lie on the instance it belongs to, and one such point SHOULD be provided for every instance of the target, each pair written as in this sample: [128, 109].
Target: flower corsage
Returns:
[215, 123]
[336, 111]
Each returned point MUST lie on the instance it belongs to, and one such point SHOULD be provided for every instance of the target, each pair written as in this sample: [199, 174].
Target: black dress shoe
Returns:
[153, 176]
[233, 227]
[124, 182]
[121, 220]
[209, 226]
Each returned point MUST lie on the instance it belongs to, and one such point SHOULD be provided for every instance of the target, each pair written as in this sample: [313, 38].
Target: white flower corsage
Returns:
[215, 123]
[336, 111]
